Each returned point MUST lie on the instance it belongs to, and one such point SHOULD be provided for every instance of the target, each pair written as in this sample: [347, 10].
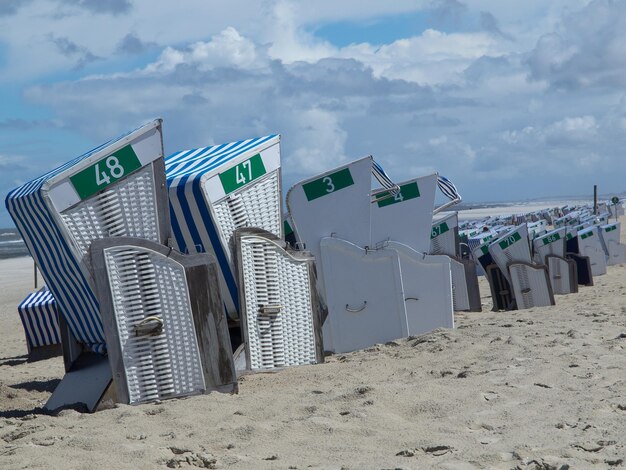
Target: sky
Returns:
[510, 100]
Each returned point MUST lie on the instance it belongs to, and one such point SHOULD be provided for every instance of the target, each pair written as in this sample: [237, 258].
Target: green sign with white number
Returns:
[439, 229]
[484, 249]
[242, 173]
[407, 191]
[586, 235]
[328, 184]
[508, 241]
[551, 238]
[611, 228]
[105, 172]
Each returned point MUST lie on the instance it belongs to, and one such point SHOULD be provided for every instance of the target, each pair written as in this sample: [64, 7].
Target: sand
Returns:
[543, 388]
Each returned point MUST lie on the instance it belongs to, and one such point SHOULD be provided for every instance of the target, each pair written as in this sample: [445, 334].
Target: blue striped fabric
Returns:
[193, 226]
[38, 313]
[38, 224]
[447, 188]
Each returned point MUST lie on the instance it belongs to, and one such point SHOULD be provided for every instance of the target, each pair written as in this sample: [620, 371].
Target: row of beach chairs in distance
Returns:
[167, 277]
[526, 265]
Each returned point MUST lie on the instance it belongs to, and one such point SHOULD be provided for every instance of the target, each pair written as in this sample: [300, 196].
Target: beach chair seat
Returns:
[584, 274]
[280, 309]
[502, 294]
[215, 190]
[164, 322]
[39, 316]
[563, 274]
[531, 285]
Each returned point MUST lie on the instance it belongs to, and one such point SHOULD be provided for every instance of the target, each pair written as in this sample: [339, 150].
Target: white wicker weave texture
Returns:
[147, 284]
[530, 286]
[274, 279]
[255, 205]
[126, 209]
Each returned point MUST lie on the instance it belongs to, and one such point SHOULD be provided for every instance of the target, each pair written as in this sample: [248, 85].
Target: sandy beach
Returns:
[534, 389]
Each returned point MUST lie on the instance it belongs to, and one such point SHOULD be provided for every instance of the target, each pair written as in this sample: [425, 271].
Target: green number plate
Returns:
[569, 236]
[484, 249]
[105, 172]
[438, 230]
[611, 228]
[407, 191]
[328, 184]
[287, 228]
[586, 235]
[551, 238]
[508, 241]
[242, 173]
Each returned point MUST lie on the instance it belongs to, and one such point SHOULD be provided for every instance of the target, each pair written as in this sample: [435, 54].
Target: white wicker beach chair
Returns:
[215, 190]
[166, 330]
[610, 237]
[589, 245]
[280, 310]
[531, 285]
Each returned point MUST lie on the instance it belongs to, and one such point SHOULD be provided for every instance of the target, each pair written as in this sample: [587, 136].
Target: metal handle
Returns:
[355, 310]
[149, 326]
[411, 298]
[270, 309]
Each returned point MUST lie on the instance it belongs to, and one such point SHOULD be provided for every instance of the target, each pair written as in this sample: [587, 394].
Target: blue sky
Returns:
[509, 99]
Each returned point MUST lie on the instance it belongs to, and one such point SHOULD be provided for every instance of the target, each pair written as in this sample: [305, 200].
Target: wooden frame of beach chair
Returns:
[164, 322]
[281, 317]
[215, 190]
[531, 285]
[589, 245]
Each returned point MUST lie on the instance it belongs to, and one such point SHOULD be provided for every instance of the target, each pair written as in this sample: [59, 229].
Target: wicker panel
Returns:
[147, 284]
[278, 305]
[127, 208]
[460, 296]
[530, 285]
[255, 205]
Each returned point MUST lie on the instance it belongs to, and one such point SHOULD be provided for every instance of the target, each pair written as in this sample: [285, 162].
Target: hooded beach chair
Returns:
[280, 309]
[501, 291]
[530, 283]
[444, 240]
[550, 250]
[589, 245]
[215, 190]
[116, 189]
[164, 321]
[610, 238]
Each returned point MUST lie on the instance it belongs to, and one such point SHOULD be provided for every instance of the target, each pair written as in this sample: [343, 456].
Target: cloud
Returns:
[490, 24]
[72, 50]
[10, 7]
[132, 45]
[28, 124]
[588, 50]
[113, 7]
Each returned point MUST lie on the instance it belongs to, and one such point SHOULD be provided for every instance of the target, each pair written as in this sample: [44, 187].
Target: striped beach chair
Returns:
[109, 191]
[39, 315]
[215, 190]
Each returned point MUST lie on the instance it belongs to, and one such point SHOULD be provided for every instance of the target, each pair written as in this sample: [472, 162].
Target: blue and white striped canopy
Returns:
[193, 227]
[39, 225]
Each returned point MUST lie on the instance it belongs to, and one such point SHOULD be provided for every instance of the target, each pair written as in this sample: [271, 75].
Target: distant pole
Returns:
[595, 199]
[35, 273]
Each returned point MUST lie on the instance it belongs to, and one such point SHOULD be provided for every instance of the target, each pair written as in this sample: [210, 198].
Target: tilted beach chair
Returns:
[281, 315]
[116, 189]
[215, 190]
[501, 290]
[550, 250]
[589, 244]
[444, 240]
[610, 238]
[530, 283]
[164, 321]
[583, 263]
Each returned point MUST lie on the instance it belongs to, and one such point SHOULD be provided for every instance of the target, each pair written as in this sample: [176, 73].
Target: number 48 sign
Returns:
[105, 172]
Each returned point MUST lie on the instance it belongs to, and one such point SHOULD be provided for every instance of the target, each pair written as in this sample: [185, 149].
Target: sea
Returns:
[11, 244]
